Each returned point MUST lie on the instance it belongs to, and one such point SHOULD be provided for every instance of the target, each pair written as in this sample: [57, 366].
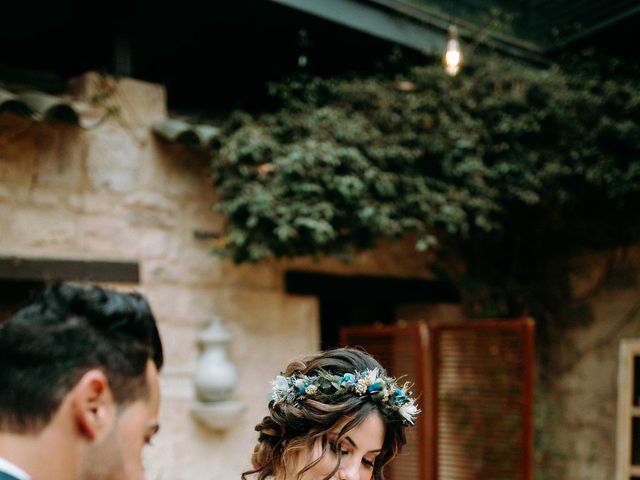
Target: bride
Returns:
[332, 416]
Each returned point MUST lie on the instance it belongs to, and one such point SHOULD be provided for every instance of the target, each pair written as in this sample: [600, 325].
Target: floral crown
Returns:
[324, 385]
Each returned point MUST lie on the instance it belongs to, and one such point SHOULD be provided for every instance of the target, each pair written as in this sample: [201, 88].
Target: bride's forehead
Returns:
[369, 433]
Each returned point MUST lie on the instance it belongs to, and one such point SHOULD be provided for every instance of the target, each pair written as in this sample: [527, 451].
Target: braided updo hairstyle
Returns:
[293, 428]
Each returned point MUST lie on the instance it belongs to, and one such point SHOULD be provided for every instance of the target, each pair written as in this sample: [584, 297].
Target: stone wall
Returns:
[117, 192]
[585, 369]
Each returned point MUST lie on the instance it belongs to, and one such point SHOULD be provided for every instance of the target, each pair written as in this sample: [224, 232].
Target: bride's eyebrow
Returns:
[353, 444]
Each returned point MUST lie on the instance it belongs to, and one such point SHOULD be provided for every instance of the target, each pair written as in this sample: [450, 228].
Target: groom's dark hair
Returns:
[50, 344]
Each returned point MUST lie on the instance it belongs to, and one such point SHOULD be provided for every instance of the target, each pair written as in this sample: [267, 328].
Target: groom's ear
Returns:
[92, 405]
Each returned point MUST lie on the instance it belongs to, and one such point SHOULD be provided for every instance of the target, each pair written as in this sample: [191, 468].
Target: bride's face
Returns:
[359, 449]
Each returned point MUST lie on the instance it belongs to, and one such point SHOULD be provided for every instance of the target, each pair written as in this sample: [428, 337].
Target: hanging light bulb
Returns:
[452, 57]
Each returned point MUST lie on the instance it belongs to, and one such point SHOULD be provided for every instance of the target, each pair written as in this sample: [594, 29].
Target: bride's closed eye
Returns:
[343, 448]
[335, 447]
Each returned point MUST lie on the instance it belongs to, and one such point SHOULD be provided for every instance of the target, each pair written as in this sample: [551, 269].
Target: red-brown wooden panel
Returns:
[482, 376]
[401, 351]
[475, 387]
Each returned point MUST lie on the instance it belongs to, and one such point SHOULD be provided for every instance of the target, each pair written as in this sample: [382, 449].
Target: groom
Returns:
[79, 390]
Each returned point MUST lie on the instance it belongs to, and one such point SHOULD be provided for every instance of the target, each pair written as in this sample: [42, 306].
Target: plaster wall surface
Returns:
[586, 366]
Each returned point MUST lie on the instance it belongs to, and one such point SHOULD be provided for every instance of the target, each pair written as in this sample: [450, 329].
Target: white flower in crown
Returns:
[361, 387]
[280, 384]
[311, 390]
[405, 388]
[280, 388]
[371, 377]
[299, 383]
[409, 411]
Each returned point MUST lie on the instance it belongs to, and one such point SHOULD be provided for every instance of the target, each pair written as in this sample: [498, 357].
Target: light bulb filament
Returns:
[452, 58]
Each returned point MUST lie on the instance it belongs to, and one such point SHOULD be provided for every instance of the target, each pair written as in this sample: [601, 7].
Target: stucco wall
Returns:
[117, 192]
[585, 365]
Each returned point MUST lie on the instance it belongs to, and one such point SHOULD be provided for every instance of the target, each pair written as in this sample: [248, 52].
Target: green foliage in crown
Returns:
[393, 399]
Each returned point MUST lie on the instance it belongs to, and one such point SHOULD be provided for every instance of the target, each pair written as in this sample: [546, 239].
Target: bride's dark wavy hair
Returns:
[290, 429]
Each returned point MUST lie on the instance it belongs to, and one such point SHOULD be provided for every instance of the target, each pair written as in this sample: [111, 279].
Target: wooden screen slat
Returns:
[401, 350]
[481, 374]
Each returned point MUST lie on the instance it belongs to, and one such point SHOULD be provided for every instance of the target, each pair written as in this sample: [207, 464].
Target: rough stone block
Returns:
[138, 103]
[150, 219]
[200, 215]
[180, 349]
[141, 103]
[107, 236]
[177, 171]
[60, 156]
[49, 198]
[96, 203]
[153, 243]
[17, 161]
[149, 200]
[112, 159]
[5, 194]
[39, 228]
[180, 304]
[397, 259]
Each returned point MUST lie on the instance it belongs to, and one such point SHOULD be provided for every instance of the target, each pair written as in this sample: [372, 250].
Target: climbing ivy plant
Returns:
[505, 166]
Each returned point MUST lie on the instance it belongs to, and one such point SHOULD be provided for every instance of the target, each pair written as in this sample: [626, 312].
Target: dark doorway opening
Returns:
[363, 300]
[22, 279]
[15, 294]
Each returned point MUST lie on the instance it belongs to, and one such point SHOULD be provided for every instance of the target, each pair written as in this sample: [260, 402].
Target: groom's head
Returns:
[81, 364]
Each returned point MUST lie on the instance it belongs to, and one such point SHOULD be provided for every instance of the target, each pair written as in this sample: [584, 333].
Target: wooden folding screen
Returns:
[475, 381]
[401, 350]
[482, 376]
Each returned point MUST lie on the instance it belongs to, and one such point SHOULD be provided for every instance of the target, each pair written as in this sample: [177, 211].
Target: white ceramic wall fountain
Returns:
[215, 380]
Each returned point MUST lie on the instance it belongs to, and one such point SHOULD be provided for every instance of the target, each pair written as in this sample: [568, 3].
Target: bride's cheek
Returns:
[316, 452]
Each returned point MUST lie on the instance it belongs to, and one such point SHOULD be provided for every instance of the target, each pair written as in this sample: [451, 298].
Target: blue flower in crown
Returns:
[324, 385]
[349, 378]
[300, 384]
[376, 387]
[400, 395]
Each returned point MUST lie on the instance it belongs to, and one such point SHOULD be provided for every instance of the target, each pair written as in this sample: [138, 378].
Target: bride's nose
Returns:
[348, 471]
